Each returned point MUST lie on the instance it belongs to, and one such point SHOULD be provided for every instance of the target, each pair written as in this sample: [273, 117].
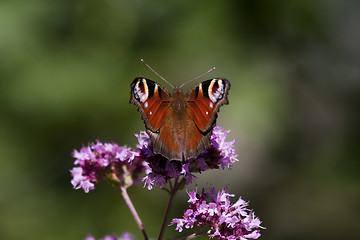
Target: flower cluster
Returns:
[124, 236]
[100, 161]
[161, 169]
[105, 161]
[226, 221]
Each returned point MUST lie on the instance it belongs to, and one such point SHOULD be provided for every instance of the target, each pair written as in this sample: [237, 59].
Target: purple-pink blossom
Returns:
[224, 220]
[105, 161]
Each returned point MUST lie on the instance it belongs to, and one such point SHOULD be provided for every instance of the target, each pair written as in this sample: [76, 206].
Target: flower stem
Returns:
[194, 235]
[133, 211]
[173, 190]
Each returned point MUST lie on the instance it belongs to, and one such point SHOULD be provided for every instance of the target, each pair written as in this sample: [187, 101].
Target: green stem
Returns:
[133, 211]
[173, 190]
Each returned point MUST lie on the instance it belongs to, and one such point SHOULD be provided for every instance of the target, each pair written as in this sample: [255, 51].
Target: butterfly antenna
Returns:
[143, 61]
[210, 70]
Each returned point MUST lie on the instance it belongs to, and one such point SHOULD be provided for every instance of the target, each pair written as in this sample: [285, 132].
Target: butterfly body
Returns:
[179, 125]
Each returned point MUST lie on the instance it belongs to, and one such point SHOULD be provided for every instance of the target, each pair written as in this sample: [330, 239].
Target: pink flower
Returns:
[101, 161]
[225, 220]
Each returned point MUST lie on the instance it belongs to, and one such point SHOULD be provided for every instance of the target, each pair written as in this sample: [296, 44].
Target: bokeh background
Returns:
[65, 71]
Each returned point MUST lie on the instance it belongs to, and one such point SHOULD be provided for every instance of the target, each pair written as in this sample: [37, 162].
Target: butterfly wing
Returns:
[152, 101]
[204, 101]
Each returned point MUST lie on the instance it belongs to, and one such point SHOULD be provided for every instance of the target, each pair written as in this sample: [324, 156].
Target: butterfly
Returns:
[179, 126]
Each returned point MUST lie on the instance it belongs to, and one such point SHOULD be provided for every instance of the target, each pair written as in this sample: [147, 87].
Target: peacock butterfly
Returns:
[180, 126]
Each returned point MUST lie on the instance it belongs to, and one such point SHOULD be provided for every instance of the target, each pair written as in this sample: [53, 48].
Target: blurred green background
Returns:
[65, 71]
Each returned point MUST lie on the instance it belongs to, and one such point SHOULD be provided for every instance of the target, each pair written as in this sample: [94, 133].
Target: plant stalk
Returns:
[133, 211]
[173, 190]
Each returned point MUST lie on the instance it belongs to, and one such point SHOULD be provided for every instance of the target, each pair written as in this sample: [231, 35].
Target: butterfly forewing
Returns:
[152, 101]
[204, 101]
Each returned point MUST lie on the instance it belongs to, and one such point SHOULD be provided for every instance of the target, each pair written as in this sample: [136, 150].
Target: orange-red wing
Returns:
[204, 101]
[152, 101]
